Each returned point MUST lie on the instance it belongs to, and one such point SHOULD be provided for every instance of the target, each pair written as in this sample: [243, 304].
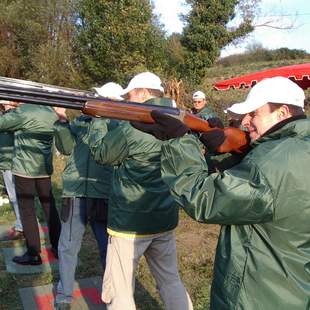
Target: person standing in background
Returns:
[200, 106]
[86, 189]
[32, 168]
[6, 157]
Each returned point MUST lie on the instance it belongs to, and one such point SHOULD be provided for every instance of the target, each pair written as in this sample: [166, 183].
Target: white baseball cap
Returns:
[272, 90]
[199, 95]
[144, 80]
[110, 90]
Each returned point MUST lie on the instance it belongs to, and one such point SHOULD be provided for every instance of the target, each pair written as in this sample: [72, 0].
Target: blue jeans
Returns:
[72, 230]
[9, 182]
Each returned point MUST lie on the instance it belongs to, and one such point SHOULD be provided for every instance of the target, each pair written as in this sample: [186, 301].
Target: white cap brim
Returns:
[245, 107]
[98, 90]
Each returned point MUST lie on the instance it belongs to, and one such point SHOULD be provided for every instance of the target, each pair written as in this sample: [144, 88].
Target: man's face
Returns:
[260, 120]
[9, 106]
[138, 95]
[199, 103]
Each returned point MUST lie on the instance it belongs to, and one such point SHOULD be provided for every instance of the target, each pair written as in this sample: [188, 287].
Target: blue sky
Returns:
[281, 12]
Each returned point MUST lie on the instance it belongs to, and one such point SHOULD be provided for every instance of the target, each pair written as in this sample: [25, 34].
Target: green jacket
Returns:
[140, 202]
[205, 113]
[82, 176]
[33, 128]
[263, 256]
[6, 150]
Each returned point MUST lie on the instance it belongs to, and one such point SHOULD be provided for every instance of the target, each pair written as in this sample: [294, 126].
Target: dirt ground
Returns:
[197, 239]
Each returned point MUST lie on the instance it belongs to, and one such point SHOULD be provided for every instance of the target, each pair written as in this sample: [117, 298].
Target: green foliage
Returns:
[117, 39]
[175, 56]
[54, 60]
[259, 53]
[35, 40]
[286, 53]
[206, 32]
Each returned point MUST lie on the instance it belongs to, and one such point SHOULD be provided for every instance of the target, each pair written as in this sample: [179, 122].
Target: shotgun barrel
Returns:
[92, 104]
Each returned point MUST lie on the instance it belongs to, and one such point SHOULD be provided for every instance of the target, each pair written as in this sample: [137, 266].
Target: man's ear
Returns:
[283, 112]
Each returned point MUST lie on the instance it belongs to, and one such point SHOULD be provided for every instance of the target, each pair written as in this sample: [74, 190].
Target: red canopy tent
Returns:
[300, 74]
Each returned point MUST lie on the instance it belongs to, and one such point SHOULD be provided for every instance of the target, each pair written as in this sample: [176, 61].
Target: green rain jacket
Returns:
[205, 113]
[33, 139]
[140, 202]
[6, 149]
[82, 176]
[263, 255]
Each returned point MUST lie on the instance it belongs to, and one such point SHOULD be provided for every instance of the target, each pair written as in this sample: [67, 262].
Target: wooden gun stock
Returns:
[91, 104]
[235, 139]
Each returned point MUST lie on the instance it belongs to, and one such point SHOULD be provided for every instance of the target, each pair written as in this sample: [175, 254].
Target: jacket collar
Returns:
[163, 101]
[293, 126]
[205, 109]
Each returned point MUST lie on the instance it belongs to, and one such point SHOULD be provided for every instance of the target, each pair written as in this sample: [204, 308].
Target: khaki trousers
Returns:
[122, 259]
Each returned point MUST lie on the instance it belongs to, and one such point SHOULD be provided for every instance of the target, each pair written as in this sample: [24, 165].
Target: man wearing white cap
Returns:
[142, 213]
[86, 189]
[200, 106]
[263, 203]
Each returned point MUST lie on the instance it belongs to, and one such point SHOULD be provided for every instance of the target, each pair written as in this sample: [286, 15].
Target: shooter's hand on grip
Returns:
[213, 138]
[166, 127]
[221, 140]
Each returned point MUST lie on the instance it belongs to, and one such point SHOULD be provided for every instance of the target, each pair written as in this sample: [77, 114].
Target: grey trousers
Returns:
[9, 182]
[122, 260]
[72, 231]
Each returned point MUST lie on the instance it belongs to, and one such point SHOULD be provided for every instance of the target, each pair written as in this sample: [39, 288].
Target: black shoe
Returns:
[27, 259]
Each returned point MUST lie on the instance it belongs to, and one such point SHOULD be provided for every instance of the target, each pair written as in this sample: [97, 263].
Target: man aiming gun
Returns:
[262, 203]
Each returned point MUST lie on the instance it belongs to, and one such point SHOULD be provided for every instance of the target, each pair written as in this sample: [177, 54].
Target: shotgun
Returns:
[92, 104]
